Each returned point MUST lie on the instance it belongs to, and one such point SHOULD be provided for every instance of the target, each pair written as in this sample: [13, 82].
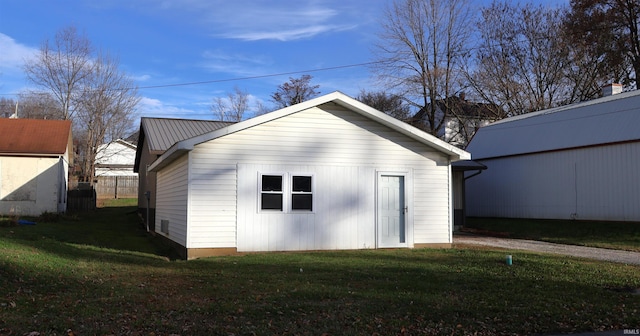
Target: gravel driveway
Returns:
[625, 257]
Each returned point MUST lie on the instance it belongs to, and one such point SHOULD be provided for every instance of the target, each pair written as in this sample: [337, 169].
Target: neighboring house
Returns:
[461, 120]
[114, 175]
[580, 161]
[329, 173]
[155, 136]
[35, 156]
[116, 159]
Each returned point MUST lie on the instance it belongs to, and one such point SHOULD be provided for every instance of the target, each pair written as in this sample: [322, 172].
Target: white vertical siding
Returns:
[172, 197]
[327, 140]
[342, 216]
[596, 183]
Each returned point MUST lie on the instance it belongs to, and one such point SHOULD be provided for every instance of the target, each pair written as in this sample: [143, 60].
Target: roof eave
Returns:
[453, 152]
[31, 154]
[170, 155]
[181, 147]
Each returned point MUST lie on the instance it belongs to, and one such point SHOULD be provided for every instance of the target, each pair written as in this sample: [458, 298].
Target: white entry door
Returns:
[391, 211]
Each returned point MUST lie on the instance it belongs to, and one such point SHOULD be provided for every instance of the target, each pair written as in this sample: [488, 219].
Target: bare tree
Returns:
[7, 107]
[390, 104]
[219, 107]
[87, 88]
[522, 58]
[233, 107]
[105, 109]
[422, 47]
[585, 74]
[295, 91]
[39, 105]
[612, 28]
[61, 66]
[261, 108]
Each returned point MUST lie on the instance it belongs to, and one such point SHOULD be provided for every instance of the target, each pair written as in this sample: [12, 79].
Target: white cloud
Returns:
[141, 78]
[151, 107]
[283, 22]
[286, 35]
[13, 54]
[234, 63]
[266, 20]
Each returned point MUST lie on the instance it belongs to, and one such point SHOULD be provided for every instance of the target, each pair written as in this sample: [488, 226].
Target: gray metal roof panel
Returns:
[163, 133]
[599, 121]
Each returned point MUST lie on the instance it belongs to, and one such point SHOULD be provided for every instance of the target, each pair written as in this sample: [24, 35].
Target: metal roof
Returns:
[162, 133]
[596, 122]
[34, 136]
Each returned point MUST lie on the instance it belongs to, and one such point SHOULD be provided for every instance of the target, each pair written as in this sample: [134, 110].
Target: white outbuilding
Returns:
[580, 161]
[329, 173]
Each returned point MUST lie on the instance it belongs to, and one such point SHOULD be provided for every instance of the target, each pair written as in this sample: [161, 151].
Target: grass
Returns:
[615, 235]
[75, 275]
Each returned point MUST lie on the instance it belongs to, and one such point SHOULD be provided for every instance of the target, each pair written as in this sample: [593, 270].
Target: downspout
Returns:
[147, 194]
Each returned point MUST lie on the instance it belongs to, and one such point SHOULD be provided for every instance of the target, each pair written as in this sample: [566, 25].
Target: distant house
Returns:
[35, 156]
[114, 175]
[462, 118]
[155, 136]
[329, 173]
[116, 159]
[580, 161]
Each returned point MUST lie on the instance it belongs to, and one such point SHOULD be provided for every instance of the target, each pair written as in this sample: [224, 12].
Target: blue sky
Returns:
[167, 42]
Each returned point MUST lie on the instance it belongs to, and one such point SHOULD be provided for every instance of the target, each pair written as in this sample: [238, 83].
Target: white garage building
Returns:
[580, 161]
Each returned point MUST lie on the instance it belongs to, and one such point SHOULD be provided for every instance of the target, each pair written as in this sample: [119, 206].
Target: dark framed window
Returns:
[271, 192]
[301, 193]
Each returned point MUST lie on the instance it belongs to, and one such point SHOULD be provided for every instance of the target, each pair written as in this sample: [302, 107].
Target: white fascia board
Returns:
[340, 98]
[171, 154]
[454, 152]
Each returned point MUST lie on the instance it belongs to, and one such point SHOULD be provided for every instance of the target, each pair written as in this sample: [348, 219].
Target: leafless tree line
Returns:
[437, 62]
[79, 84]
[511, 59]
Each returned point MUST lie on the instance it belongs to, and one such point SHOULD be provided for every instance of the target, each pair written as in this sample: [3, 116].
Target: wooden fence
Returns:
[81, 198]
[117, 187]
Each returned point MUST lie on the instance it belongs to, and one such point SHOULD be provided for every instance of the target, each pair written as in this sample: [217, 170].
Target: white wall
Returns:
[343, 215]
[596, 183]
[115, 153]
[330, 141]
[30, 185]
[172, 191]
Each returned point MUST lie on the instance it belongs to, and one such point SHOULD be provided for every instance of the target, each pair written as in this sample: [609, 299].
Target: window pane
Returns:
[302, 183]
[301, 202]
[271, 183]
[271, 202]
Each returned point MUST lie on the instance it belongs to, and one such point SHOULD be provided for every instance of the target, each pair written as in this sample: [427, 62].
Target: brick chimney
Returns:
[611, 89]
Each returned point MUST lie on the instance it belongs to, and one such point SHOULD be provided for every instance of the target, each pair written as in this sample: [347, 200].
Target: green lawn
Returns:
[616, 235]
[99, 274]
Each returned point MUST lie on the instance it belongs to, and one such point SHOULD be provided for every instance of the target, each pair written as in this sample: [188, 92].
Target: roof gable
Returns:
[336, 97]
[162, 133]
[600, 121]
[34, 136]
[116, 152]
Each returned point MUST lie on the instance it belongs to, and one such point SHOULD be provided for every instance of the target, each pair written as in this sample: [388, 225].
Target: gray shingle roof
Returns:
[600, 121]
